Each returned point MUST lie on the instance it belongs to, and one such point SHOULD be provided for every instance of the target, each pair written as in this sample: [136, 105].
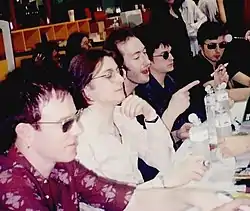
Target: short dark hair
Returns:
[73, 46]
[116, 37]
[151, 39]
[210, 31]
[82, 66]
[22, 92]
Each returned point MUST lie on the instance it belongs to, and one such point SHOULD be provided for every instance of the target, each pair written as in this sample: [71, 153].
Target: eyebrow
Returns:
[139, 51]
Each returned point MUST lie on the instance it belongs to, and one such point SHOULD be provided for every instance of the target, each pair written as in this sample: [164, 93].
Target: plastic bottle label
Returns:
[223, 120]
[222, 96]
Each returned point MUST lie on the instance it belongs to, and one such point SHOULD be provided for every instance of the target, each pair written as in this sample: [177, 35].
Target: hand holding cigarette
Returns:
[220, 68]
[220, 74]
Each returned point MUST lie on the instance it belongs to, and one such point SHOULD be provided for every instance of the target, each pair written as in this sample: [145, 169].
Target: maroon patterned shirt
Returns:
[24, 188]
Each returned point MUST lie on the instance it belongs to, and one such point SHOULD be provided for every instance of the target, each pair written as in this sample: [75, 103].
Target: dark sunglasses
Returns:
[68, 122]
[165, 55]
[212, 46]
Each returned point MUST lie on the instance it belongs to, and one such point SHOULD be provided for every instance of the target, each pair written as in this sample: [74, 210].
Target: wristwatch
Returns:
[152, 121]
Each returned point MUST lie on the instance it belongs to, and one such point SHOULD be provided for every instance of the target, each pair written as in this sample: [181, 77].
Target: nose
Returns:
[119, 78]
[171, 57]
[77, 128]
[217, 49]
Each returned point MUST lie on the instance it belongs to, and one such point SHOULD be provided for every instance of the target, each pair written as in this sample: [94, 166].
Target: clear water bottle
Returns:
[210, 103]
[222, 122]
[222, 112]
[222, 97]
[199, 138]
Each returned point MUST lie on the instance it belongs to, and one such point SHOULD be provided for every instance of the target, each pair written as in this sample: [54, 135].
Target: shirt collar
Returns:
[153, 82]
[19, 159]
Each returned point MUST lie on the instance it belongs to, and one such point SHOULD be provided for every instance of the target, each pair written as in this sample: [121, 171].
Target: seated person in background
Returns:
[113, 140]
[160, 91]
[39, 129]
[46, 52]
[76, 44]
[212, 44]
[211, 59]
[130, 55]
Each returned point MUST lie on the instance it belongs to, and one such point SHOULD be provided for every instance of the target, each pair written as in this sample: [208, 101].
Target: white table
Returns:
[221, 172]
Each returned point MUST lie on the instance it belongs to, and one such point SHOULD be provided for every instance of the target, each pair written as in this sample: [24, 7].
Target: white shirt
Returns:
[210, 9]
[110, 157]
[193, 18]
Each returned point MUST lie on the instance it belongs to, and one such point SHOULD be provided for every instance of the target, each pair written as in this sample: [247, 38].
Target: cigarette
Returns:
[224, 65]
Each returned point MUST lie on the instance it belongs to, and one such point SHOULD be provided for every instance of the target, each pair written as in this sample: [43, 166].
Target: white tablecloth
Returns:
[220, 176]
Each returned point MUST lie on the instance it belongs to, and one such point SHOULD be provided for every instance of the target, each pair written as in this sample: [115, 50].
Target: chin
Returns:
[170, 69]
[144, 80]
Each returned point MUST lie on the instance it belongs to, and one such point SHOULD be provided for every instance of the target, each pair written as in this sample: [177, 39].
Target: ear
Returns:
[25, 132]
[88, 93]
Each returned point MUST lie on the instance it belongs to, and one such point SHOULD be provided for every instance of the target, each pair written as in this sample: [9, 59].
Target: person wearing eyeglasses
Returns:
[113, 140]
[131, 55]
[214, 53]
[160, 90]
[39, 126]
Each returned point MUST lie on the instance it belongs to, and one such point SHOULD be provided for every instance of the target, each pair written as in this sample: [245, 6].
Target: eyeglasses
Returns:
[68, 122]
[212, 46]
[165, 55]
[110, 74]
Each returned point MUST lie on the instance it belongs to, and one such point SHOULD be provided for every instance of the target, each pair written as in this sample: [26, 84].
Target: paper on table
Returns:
[242, 160]
[219, 176]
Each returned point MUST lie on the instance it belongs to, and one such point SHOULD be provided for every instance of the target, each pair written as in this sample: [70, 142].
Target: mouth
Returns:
[74, 144]
[217, 56]
[145, 72]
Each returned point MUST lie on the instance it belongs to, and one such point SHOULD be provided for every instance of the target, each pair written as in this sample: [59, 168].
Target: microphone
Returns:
[229, 38]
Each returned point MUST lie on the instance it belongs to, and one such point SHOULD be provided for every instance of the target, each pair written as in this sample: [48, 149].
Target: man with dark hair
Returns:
[131, 55]
[211, 38]
[162, 86]
[38, 131]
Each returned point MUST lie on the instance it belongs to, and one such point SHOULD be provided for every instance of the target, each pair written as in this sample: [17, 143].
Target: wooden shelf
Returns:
[61, 32]
[49, 31]
[26, 39]
[31, 37]
[18, 41]
[83, 26]
[72, 27]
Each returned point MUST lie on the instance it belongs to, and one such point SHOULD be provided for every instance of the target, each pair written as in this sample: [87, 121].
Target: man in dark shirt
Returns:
[131, 55]
[214, 51]
[212, 56]
[161, 87]
[39, 129]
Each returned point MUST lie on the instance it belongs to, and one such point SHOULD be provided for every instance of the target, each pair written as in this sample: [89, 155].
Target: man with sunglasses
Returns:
[214, 51]
[161, 87]
[131, 55]
[38, 129]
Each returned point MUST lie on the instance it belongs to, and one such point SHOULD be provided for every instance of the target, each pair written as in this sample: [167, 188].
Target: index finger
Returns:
[189, 86]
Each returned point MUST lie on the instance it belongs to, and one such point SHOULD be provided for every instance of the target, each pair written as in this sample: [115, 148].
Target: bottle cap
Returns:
[193, 118]
[221, 86]
[228, 38]
[209, 89]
